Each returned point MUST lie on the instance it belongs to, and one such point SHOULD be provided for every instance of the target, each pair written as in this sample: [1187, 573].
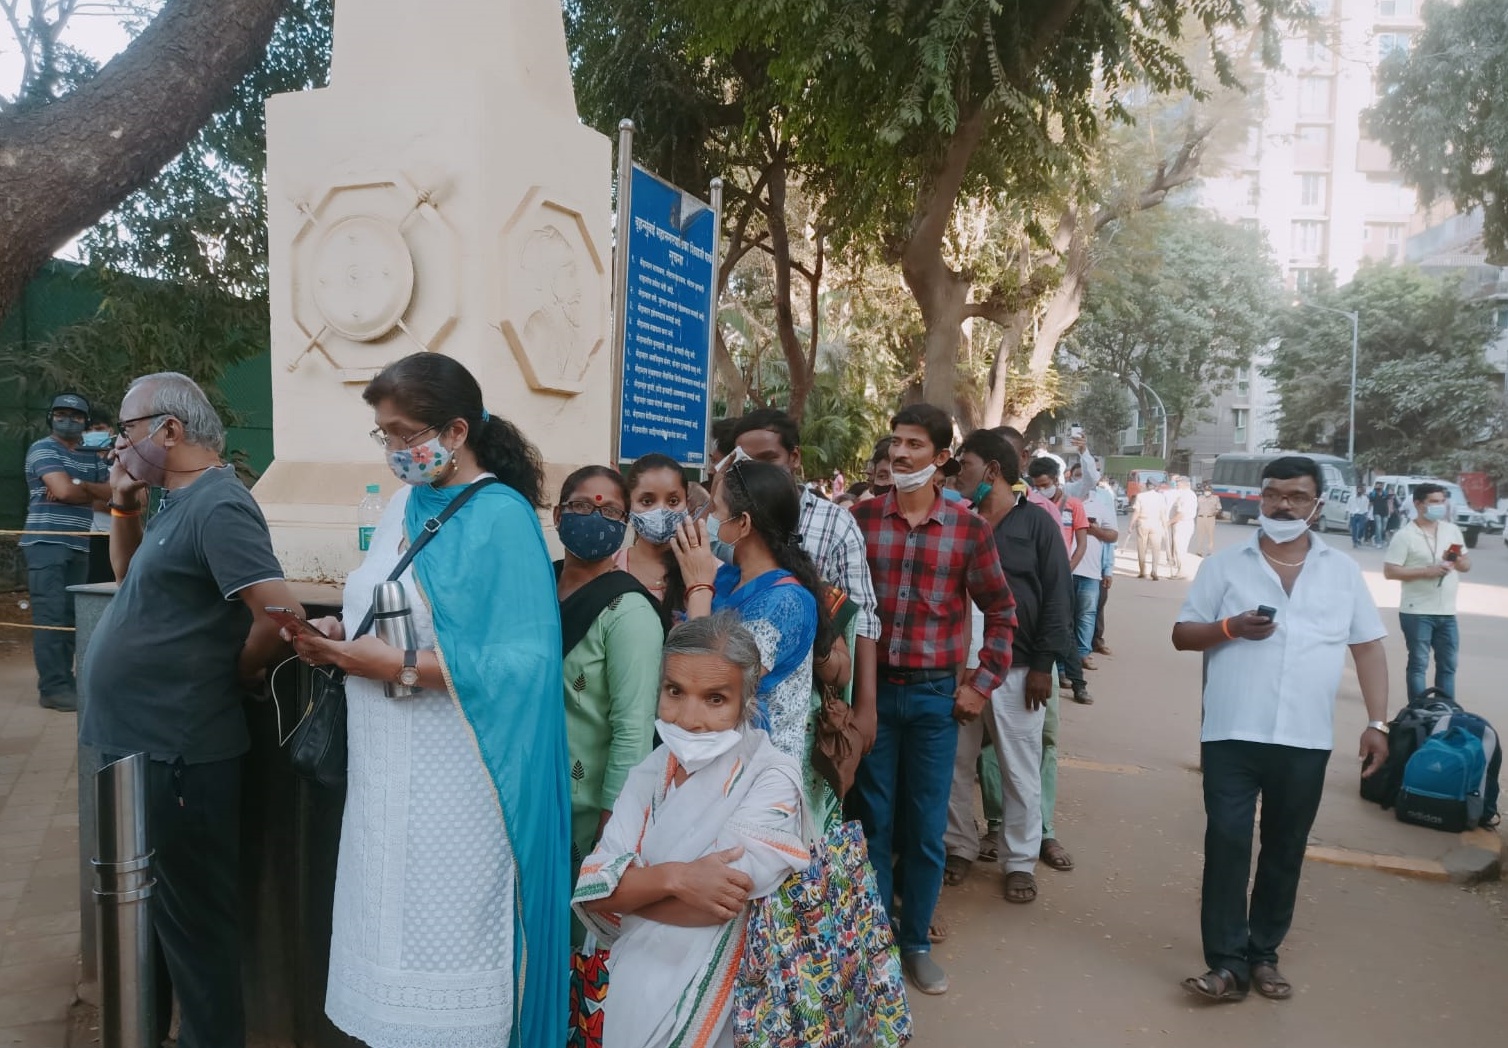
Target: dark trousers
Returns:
[1289, 781]
[900, 794]
[50, 570]
[194, 826]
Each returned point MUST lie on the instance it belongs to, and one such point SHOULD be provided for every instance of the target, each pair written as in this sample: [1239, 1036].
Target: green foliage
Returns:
[1424, 392]
[1177, 299]
[1442, 111]
[183, 261]
[1101, 407]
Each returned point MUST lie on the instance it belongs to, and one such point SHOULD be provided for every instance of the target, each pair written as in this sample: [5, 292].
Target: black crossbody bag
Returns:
[317, 746]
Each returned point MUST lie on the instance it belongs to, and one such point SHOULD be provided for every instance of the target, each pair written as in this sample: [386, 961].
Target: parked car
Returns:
[1496, 516]
[1333, 515]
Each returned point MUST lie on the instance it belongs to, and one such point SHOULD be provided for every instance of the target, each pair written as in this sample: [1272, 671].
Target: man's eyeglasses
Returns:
[1273, 498]
[583, 508]
[126, 423]
[385, 440]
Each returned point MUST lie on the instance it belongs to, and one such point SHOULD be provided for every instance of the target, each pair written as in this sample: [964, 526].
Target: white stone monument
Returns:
[440, 195]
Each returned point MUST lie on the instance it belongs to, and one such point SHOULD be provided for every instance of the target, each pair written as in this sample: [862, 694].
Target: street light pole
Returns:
[1160, 407]
[1355, 318]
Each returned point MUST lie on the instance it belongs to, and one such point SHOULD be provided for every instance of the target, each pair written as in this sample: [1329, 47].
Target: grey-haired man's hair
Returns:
[724, 635]
[180, 396]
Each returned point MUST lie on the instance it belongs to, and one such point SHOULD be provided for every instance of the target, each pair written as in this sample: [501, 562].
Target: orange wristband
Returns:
[123, 513]
[1225, 629]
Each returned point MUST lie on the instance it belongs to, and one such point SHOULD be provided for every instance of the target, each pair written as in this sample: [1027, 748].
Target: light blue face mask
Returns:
[1437, 511]
[723, 551]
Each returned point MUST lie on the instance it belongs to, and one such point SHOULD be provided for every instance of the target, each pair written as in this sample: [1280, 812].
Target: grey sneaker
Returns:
[67, 702]
[925, 973]
[1081, 695]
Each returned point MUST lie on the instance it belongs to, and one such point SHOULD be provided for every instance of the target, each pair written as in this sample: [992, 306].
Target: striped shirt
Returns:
[831, 537]
[43, 513]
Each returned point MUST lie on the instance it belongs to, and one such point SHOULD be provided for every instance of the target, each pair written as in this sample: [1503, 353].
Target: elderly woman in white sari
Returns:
[714, 818]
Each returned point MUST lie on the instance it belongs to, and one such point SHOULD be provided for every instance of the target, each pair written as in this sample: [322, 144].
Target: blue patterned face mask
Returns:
[658, 525]
[591, 536]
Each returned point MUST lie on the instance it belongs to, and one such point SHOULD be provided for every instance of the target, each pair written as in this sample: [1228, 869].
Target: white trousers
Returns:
[1017, 735]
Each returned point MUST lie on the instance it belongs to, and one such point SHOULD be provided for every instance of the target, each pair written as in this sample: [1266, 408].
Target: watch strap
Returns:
[410, 658]
[1381, 726]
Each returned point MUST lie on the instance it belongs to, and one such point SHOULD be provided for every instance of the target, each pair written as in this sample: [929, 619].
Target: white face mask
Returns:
[1282, 530]
[912, 481]
[696, 749]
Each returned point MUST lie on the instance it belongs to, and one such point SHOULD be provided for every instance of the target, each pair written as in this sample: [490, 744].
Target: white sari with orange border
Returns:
[673, 986]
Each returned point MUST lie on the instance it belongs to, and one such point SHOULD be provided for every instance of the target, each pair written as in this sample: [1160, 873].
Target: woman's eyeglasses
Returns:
[583, 508]
[385, 440]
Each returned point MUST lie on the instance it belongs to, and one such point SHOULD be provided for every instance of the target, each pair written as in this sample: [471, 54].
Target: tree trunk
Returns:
[1010, 341]
[735, 385]
[801, 375]
[66, 163]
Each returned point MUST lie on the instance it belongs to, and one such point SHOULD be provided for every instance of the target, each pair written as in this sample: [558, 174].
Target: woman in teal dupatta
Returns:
[460, 788]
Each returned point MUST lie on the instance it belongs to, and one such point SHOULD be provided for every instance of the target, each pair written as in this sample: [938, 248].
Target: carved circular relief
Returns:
[363, 277]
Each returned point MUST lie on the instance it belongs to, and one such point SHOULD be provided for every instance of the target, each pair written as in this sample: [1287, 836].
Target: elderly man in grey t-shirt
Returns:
[165, 673]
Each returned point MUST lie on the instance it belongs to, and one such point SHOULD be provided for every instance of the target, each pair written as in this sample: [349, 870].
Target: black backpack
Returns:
[1406, 734]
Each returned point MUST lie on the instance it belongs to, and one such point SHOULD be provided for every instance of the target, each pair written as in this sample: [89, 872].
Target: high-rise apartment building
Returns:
[1309, 176]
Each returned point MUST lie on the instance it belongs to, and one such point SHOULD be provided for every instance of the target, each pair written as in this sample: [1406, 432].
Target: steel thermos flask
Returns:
[394, 623]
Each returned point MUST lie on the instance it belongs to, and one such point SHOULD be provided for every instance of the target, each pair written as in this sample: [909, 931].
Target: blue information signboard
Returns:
[668, 312]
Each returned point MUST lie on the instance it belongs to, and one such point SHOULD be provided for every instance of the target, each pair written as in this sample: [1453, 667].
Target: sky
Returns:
[95, 28]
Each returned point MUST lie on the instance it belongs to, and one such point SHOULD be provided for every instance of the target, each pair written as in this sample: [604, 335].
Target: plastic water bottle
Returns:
[368, 513]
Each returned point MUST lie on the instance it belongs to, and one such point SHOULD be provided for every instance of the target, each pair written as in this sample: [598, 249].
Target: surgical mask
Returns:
[879, 490]
[694, 750]
[912, 481]
[1050, 493]
[657, 526]
[723, 551]
[424, 464]
[982, 492]
[138, 466]
[591, 536]
[68, 428]
[1282, 530]
[1439, 511]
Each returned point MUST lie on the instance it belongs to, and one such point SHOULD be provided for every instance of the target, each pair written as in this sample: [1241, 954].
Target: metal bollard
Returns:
[122, 894]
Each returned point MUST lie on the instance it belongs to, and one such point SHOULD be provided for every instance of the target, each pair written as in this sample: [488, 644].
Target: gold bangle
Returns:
[700, 586]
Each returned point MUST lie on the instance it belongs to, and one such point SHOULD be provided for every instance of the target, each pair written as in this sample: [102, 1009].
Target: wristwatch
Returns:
[1381, 726]
[408, 676]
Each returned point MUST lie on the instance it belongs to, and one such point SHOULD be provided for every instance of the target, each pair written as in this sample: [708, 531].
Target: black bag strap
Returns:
[431, 528]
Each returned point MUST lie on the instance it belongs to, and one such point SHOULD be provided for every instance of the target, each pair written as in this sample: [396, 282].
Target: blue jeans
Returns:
[1358, 528]
[901, 796]
[1086, 602]
[1423, 633]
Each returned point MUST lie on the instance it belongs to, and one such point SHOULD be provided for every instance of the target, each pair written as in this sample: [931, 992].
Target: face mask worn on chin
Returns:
[658, 525]
[982, 492]
[696, 749]
[1436, 512]
[420, 465]
[1282, 530]
[591, 536]
[912, 481]
[723, 551]
[68, 428]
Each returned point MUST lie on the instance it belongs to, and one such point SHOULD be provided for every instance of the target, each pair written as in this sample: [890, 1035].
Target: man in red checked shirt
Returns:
[928, 558]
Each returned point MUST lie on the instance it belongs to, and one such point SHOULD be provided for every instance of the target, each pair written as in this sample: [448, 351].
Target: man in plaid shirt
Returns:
[928, 559]
[833, 541]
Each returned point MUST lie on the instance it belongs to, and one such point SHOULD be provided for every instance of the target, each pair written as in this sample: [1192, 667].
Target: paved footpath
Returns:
[39, 827]
[1095, 962]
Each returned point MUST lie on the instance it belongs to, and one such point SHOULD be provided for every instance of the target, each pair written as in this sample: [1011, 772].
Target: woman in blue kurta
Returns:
[751, 562]
[453, 881]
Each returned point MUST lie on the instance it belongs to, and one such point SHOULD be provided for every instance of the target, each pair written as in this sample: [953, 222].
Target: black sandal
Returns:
[956, 870]
[1217, 984]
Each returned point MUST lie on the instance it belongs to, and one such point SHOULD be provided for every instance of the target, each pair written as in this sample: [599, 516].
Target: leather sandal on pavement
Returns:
[1269, 982]
[1217, 984]
[1055, 855]
[937, 931]
[956, 870]
[1020, 887]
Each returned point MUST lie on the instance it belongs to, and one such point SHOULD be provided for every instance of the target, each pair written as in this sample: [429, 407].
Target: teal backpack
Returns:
[1442, 782]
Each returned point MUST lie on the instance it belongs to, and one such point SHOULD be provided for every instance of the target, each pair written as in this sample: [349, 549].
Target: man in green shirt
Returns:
[1428, 555]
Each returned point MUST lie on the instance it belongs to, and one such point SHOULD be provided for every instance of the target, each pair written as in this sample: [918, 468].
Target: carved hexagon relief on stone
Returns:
[554, 293]
[374, 263]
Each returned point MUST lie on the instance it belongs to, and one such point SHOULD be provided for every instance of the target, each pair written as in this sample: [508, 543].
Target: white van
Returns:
[1471, 523]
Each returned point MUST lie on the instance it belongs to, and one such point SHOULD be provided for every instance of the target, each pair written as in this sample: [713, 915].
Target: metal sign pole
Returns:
[620, 280]
[717, 254]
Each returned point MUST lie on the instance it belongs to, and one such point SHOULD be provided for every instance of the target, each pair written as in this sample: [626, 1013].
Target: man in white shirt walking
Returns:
[1359, 509]
[1274, 617]
[1183, 505]
[1428, 555]
[1149, 522]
